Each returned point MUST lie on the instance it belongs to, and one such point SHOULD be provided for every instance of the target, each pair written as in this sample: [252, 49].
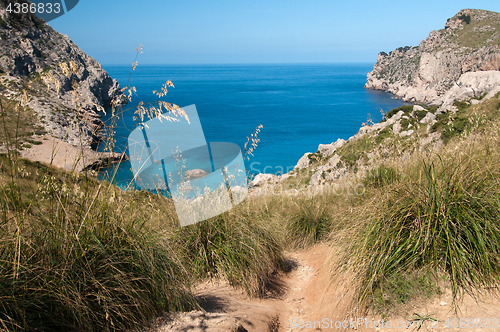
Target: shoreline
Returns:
[60, 154]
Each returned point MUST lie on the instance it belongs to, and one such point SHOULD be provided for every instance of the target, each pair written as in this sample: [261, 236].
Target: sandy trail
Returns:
[307, 302]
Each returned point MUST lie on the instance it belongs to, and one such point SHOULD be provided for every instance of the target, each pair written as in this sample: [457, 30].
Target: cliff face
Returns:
[32, 52]
[433, 72]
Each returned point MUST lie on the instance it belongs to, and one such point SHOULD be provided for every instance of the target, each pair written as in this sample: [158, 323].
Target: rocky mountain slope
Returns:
[34, 54]
[458, 62]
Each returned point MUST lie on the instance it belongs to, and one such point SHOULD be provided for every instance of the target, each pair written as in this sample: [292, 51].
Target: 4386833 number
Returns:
[476, 323]
[41, 8]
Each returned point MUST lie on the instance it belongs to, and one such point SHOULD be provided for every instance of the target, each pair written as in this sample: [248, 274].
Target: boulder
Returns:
[261, 179]
[396, 128]
[406, 133]
[304, 161]
[329, 149]
[429, 117]
[333, 162]
[195, 173]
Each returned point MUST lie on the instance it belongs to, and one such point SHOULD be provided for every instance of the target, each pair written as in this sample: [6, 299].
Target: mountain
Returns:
[52, 67]
[458, 62]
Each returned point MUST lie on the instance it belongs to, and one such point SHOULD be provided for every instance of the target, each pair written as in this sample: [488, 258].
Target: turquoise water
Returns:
[298, 105]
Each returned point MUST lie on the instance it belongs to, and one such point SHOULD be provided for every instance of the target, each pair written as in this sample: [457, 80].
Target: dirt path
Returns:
[308, 303]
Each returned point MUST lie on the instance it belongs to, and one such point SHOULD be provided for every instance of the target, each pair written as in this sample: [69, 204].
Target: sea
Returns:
[299, 106]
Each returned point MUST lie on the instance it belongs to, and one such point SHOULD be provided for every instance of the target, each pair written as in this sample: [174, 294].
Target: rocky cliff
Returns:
[458, 62]
[67, 88]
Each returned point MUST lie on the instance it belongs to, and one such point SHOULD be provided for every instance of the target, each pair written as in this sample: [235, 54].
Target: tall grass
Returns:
[238, 246]
[309, 222]
[73, 260]
[443, 214]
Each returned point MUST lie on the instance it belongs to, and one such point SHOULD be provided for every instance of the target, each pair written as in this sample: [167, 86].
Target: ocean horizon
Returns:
[299, 105]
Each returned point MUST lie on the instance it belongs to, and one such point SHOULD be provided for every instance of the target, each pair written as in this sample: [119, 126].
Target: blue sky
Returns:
[253, 31]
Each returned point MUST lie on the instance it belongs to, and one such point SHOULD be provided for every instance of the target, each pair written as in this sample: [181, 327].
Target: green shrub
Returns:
[464, 17]
[407, 109]
[420, 114]
[383, 134]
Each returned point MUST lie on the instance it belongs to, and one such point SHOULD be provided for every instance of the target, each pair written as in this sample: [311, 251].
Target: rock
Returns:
[395, 117]
[396, 128]
[31, 48]
[333, 162]
[491, 93]
[473, 84]
[260, 179]
[304, 161]
[329, 149]
[316, 178]
[195, 173]
[418, 108]
[284, 177]
[429, 117]
[406, 133]
[425, 74]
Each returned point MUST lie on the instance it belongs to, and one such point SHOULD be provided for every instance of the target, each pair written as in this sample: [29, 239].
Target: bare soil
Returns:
[305, 300]
[63, 155]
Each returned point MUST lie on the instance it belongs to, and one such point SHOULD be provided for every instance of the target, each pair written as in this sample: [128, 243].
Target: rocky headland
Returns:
[67, 90]
[453, 77]
[458, 62]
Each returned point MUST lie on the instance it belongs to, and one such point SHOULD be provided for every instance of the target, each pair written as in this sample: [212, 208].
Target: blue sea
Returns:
[298, 105]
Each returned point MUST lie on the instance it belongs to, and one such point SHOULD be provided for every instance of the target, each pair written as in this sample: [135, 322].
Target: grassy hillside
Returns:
[79, 254]
[480, 28]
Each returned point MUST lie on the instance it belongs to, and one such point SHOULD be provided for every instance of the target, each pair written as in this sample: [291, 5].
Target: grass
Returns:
[442, 215]
[469, 37]
[72, 259]
[309, 223]
[234, 245]
[401, 289]
[16, 123]
[381, 176]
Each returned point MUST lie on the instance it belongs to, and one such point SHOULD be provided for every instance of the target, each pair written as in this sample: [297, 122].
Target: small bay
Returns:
[298, 105]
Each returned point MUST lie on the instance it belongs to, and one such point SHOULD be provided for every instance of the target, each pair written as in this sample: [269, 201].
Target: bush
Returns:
[464, 17]
[407, 109]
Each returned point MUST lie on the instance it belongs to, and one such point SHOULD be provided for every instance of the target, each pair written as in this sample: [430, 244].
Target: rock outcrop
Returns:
[442, 67]
[67, 88]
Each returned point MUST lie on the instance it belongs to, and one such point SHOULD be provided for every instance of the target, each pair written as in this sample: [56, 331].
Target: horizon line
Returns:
[238, 63]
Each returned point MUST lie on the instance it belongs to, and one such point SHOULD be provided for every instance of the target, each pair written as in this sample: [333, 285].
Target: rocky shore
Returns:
[458, 62]
[67, 89]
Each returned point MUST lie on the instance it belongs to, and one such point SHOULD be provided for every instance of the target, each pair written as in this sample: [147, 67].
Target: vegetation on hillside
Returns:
[79, 254]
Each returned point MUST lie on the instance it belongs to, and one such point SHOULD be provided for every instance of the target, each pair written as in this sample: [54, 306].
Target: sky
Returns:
[253, 31]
